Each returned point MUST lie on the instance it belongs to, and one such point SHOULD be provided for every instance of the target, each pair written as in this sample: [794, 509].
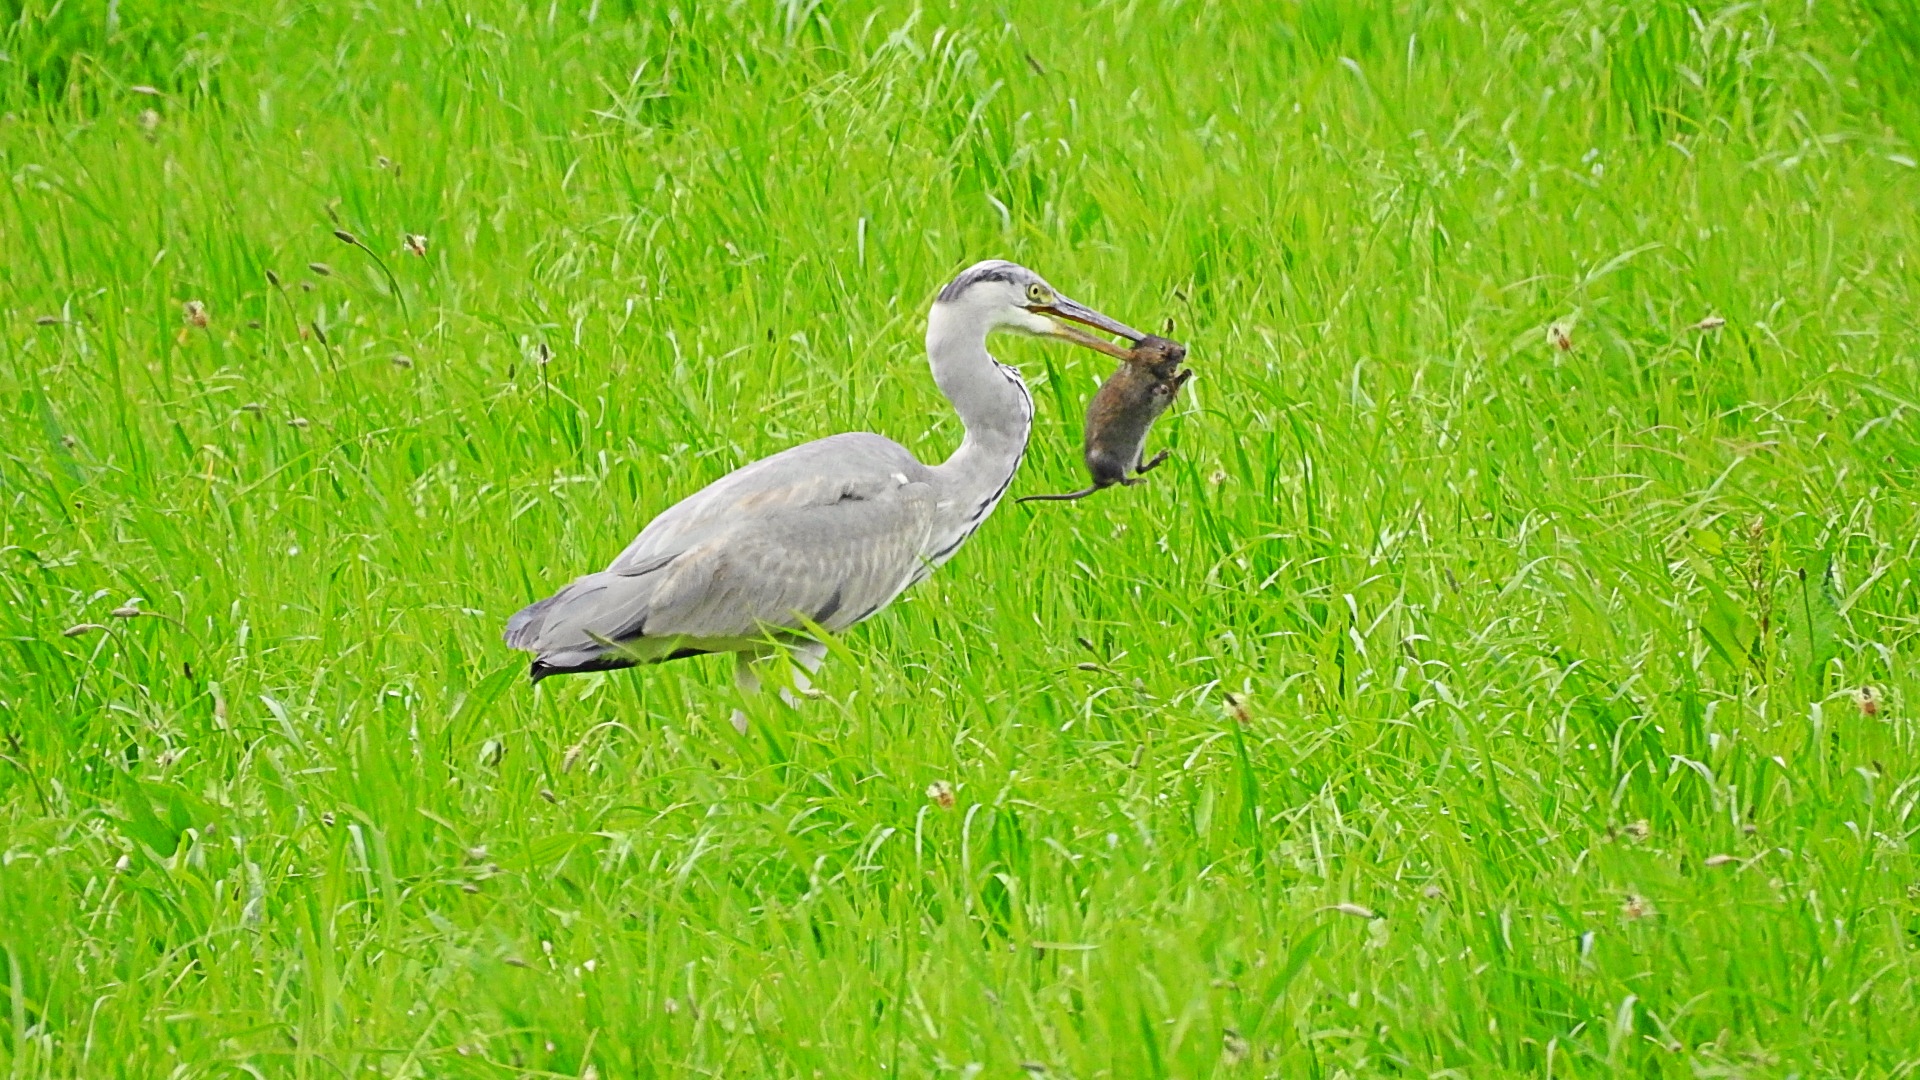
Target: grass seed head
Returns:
[572, 757]
[1358, 911]
[1636, 907]
[402, 360]
[1561, 337]
[149, 120]
[273, 279]
[298, 421]
[1869, 702]
[195, 313]
[1638, 831]
[1710, 323]
[320, 269]
[346, 237]
[1234, 1048]
[145, 91]
[48, 320]
[415, 244]
[326, 818]
[1721, 860]
[1237, 708]
[941, 793]
[82, 628]
[126, 611]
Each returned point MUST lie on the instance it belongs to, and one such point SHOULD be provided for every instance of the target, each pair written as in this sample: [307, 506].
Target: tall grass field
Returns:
[1511, 674]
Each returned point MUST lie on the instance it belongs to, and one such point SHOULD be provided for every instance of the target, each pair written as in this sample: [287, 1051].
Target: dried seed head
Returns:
[49, 320]
[69, 441]
[149, 119]
[273, 279]
[1711, 322]
[320, 269]
[382, 161]
[82, 628]
[1868, 702]
[1432, 892]
[572, 757]
[195, 313]
[346, 237]
[1636, 907]
[542, 355]
[146, 91]
[1561, 337]
[1721, 860]
[326, 818]
[402, 360]
[415, 244]
[478, 853]
[1237, 708]
[1218, 477]
[123, 864]
[253, 407]
[125, 611]
[547, 794]
[298, 421]
[1638, 831]
[1234, 1048]
[941, 793]
[1358, 911]
[468, 887]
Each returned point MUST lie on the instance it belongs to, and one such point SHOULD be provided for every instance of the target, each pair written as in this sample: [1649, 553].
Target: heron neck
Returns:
[994, 408]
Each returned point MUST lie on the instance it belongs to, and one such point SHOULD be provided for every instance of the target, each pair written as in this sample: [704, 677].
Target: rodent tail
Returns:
[1059, 498]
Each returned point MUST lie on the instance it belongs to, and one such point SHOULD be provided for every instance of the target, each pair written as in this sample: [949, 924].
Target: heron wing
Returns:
[829, 531]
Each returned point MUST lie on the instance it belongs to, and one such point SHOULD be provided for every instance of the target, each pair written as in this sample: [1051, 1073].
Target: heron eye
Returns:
[1037, 293]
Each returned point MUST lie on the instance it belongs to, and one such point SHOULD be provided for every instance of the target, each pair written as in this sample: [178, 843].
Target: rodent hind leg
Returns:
[1154, 464]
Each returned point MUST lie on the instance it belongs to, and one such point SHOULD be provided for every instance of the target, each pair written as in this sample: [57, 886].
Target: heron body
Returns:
[824, 534]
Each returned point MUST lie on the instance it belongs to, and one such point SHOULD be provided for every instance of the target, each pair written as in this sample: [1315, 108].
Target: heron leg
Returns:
[748, 669]
[748, 679]
[807, 656]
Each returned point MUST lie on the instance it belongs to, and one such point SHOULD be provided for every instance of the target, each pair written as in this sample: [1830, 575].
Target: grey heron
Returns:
[824, 534]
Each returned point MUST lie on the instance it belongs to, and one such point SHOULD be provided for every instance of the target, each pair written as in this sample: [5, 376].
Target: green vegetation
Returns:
[1575, 636]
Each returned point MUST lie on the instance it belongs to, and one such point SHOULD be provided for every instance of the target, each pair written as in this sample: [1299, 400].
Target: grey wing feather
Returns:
[829, 531]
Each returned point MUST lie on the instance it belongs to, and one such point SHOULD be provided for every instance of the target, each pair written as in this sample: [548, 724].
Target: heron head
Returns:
[1007, 296]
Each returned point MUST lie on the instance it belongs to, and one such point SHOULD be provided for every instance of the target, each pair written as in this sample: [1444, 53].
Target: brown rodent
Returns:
[1122, 412]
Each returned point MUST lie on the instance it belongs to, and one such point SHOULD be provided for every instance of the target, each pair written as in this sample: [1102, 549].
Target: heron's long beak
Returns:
[1062, 311]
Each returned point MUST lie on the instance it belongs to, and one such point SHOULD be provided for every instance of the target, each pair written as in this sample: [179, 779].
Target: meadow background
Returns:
[1573, 632]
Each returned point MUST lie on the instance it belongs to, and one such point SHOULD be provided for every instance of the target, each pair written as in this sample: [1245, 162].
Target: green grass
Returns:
[1589, 673]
